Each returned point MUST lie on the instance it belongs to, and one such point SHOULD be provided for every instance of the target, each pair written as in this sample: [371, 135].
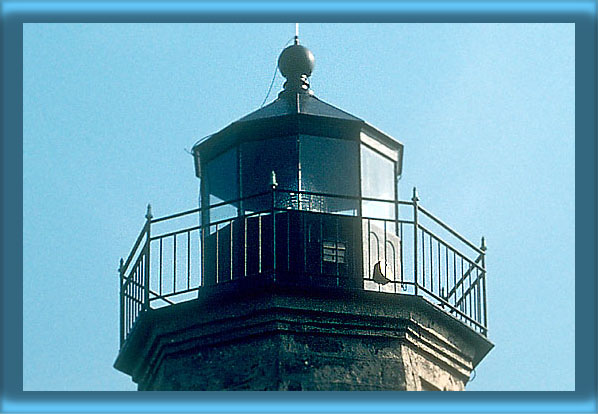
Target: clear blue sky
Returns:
[486, 113]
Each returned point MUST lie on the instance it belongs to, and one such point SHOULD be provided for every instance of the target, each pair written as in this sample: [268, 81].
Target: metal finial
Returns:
[415, 197]
[121, 265]
[296, 33]
[296, 63]
[273, 182]
[148, 214]
[483, 248]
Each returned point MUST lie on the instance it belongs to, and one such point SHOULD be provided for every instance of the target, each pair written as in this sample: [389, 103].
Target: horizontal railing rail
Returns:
[383, 243]
[450, 230]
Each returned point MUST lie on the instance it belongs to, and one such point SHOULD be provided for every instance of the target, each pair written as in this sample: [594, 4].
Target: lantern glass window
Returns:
[377, 181]
[258, 160]
[329, 166]
[221, 185]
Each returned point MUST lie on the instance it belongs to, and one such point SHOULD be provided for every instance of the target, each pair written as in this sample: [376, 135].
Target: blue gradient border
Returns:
[14, 14]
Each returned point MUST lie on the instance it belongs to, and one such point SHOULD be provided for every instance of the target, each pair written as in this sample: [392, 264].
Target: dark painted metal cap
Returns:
[296, 63]
[296, 60]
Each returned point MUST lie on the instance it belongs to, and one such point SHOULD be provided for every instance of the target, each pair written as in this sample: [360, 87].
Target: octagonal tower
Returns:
[305, 271]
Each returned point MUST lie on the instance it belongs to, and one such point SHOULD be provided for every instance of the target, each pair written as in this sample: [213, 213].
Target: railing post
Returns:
[122, 301]
[146, 267]
[273, 186]
[415, 199]
[483, 248]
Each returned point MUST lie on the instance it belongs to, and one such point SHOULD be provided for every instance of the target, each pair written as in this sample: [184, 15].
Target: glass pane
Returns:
[258, 160]
[329, 166]
[377, 181]
[222, 185]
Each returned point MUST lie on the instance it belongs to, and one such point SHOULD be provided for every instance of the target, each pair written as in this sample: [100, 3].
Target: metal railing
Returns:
[408, 251]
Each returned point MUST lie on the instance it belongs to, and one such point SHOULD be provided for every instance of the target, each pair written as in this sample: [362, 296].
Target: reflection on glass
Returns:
[221, 185]
[377, 181]
[258, 160]
[329, 166]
